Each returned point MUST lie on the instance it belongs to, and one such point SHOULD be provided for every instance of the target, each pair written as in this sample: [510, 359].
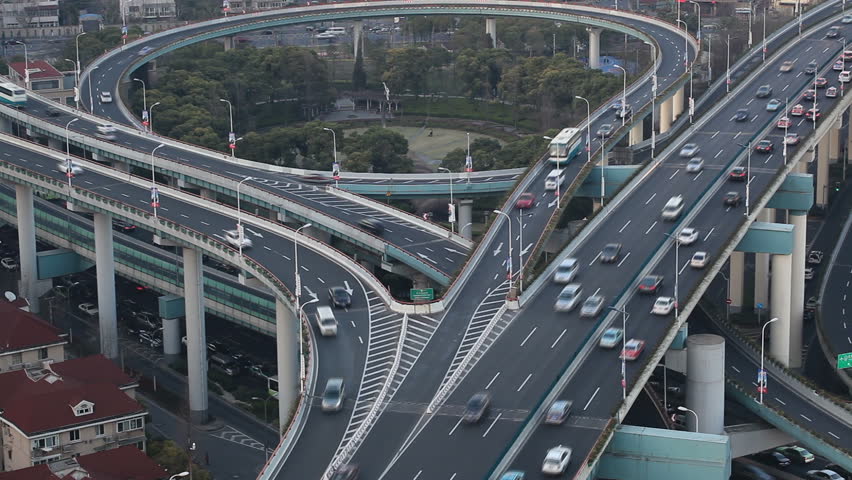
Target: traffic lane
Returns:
[581, 439]
[834, 304]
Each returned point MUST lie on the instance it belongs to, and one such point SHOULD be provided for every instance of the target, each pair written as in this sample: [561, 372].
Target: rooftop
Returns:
[123, 463]
[38, 69]
[20, 330]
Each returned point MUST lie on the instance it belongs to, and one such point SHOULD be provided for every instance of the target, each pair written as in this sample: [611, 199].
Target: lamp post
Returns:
[623, 95]
[509, 222]
[144, 99]
[786, 125]
[77, 67]
[461, 230]
[588, 128]
[521, 248]
[698, 9]
[763, 50]
[623, 312]
[749, 26]
[26, 63]
[843, 61]
[452, 206]
[232, 144]
[76, 82]
[155, 194]
[727, 296]
[748, 173]
[91, 99]
[178, 475]
[761, 374]
[728, 65]
[684, 409]
[240, 217]
[151, 117]
[299, 305]
[334, 148]
[603, 180]
[468, 160]
[673, 236]
[653, 97]
[69, 165]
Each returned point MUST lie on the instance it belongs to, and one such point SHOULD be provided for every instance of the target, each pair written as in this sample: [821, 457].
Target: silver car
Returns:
[695, 165]
[689, 150]
[592, 306]
[333, 395]
[568, 298]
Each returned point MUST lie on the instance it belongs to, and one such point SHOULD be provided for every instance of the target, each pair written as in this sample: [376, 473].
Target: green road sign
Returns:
[421, 294]
[844, 360]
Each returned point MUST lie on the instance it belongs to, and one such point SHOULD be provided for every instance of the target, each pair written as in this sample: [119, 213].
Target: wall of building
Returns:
[31, 357]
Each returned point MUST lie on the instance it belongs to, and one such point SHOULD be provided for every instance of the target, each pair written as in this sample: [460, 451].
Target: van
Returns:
[225, 364]
[673, 208]
[845, 76]
[554, 179]
[326, 322]
[336, 31]
[566, 271]
[106, 131]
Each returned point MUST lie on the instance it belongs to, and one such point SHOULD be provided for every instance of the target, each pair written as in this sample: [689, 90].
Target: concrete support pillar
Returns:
[779, 344]
[229, 43]
[357, 31]
[848, 140]
[286, 342]
[799, 219]
[321, 235]
[466, 218]
[171, 337]
[27, 245]
[419, 280]
[196, 336]
[55, 144]
[705, 383]
[594, 47]
[105, 267]
[761, 266]
[822, 171]
[677, 104]
[153, 73]
[121, 166]
[207, 194]
[5, 125]
[666, 116]
[637, 133]
[596, 204]
[735, 280]
[491, 29]
[834, 142]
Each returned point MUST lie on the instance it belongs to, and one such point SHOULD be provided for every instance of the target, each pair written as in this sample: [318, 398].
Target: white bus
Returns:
[565, 146]
[11, 94]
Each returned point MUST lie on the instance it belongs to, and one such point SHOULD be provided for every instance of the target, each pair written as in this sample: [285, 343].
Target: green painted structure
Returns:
[796, 193]
[60, 262]
[764, 237]
[171, 306]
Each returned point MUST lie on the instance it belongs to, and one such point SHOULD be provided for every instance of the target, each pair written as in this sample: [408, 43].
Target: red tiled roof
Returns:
[46, 404]
[38, 69]
[94, 368]
[123, 463]
[20, 330]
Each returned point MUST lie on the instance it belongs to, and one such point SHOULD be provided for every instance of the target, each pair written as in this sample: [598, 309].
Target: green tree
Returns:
[407, 69]
[377, 149]
[483, 150]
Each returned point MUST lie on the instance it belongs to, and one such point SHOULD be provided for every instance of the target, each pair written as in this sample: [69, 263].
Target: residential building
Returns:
[58, 411]
[45, 80]
[29, 13]
[126, 462]
[150, 9]
[26, 340]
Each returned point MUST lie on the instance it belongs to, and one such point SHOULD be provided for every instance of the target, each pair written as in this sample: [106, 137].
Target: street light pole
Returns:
[698, 9]
[334, 147]
[155, 195]
[749, 27]
[299, 305]
[761, 375]
[764, 34]
[178, 475]
[452, 204]
[673, 236]
[684, 409]
[240, 217]
[603, 180]
[521, 249]
[77, 68]
[69, 166]
[91, 99]
[151, 117]
[748, 173]
[623, 95]
[509, 222]
[623, 312]
[728, 65]
[26, 64]
[588, 128]
[786, 125]
[232, 144]
[144, 98]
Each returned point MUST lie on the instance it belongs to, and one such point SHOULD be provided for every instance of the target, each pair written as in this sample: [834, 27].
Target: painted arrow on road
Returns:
[499, 249]
[524, 251]
[453, 250]
[256, 234]
[551, 204]
[310, 293]
[348, 288]
[427, 258]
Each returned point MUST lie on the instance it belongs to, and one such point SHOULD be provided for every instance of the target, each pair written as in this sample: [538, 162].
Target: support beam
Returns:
[761, 266]
[491, 29]
[799, 220]
[196, 336]
[55, 144]
[5, 125]
[677, 105]
[834, 141]
[105, 267]
[228, 42]
[779, 340]
[286, 342]
[666, 115]
[705, 383]
[466, 218]
[735, 279]
[357, 31]
[594, 47]
[27, 245]
[637, 134]
[822, 171]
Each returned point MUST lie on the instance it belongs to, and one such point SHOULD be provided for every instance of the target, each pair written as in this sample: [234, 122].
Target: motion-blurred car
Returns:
[831, 92]
[738, 174]
[568, 298]
[610, 252]
[764, 146]
[811, 68]
[695, 165]
[698, 260]
[333, 395]
[611, 337]
[764, 91]
[792, 139]
[787, 66]
[233, 238]
[741, 115]
[784, 122]
[651, 284]
[556, 460]
[632, 349]
[123, 227]
[605, 130]
[339, 297]
[687, 236]
[525, 201]
[773, 105]
[733, 199]
[689, 150]
[820, 82]
[592, 306]
[558, 412]
[663, 306]
[798, 110]
[477, 407]
[372, 225]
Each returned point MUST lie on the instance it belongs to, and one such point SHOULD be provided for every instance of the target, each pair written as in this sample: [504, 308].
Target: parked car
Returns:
[815, 257]
[10, 263]
[88, 308]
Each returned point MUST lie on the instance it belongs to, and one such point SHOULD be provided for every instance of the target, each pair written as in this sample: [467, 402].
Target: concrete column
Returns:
[321, 235]
[666, 116]
[287, 347]
[27, 245]
[357, 31]
[761, 266]
[594, 47]
[419, 280]
[637, 133]
[105, 268]
[466, 218]
[55, 144]
[735, 280]
[848, 140]
[799, 219]
[207, 194]
[779, 344]
[491, 29]
[834, 142]
[229, 43]
[705, 383]
[153, 73]
[171, 337]
[5, 125]
[677, 105]
[822, 171]
[196, 336]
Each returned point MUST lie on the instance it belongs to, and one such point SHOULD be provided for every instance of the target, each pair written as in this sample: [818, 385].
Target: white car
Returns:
[88, 308]
[9, 263]
[568, 298]
[689, 150]
[325, 36]
[233, 238]
[76, 169]
[592, 306]
[846, 19]
[556, 460]
[663, 306]
[695, 165]
[611, 337]
[809, 272]
[699, 260]
[687, 236]
[106, 97]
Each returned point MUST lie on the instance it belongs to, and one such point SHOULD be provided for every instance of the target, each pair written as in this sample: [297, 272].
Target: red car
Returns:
[764, 146]
[838, 66]
[738, 173]
[526, 200]
[784, 122]
[812, 114]
[821, 82]
[632, 349]
[797, 110]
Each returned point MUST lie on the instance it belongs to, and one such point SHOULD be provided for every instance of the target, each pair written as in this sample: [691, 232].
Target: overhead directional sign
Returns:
[422, 294]
[844, 360]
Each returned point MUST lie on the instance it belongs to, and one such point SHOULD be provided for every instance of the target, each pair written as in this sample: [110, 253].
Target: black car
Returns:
[339, 297]
[53, 112]
[764, 91]
[651, 284]
[376, 227]
[346, 472]
[123, 227]
[610, 252]
[764, 146]
[733, 199]
[320, 179]
[776, 459]
[811, 68]
[741, 115]
[477, 407]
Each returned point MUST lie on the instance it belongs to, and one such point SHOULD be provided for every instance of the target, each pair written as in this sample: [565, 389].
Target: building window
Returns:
[46, 442]
[84, 408]
[42, 353]
[127, 425]
[17, 359]
[99, 430]
[44, 84]
[74, 436]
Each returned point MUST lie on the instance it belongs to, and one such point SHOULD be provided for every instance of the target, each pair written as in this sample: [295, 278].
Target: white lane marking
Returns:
[595, 259]
[649, 228]
[492, 424]
[592, 398]
[779, 401]
[524, 382]
[418, 475]
[683, 268]
[755, 118]
[623, 259]
[696, 177]
[675, 173]
[714, 135]
[625, 226]
[649, 200]
[495, 378]
[749, 102]
[709, 233]
[361, 340]
[806, 418]
[735, 369]
[719, 153]
[205, 223]
[529, 335]
[321, 280]
[267, 248]
[558, 338]
[456, 426]
[833, 435]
